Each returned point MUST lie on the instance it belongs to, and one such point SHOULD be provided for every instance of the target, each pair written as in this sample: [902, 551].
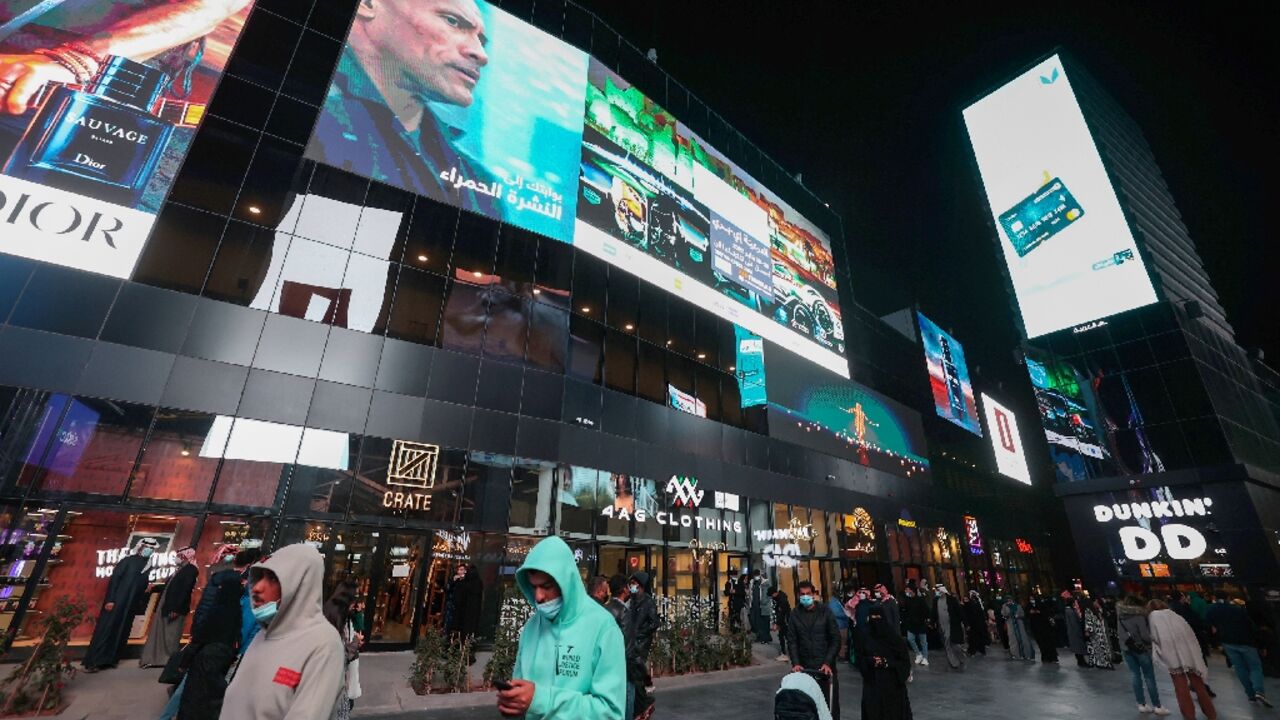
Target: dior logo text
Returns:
[58, 218]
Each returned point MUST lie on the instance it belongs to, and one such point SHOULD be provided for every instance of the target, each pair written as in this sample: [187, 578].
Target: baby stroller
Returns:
[803, 696]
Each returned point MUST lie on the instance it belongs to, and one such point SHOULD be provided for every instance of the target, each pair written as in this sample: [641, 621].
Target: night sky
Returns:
[865, 101]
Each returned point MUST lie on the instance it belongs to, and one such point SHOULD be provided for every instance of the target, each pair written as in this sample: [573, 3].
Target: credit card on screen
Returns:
[1045, 213]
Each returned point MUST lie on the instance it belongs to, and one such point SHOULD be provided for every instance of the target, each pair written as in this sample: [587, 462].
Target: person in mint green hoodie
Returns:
[571, 663]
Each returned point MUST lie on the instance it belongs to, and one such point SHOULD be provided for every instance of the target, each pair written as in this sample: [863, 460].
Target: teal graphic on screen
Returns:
[1043, 214]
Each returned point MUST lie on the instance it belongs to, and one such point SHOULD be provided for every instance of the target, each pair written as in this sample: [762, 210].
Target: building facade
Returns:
[319, 344]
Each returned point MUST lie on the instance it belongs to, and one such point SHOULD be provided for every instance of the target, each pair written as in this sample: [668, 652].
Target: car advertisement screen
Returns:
[99, 101]
[823, 411]
[461, 102]
[1071, 416]
[953, 397]
[1070, 253]
[1002, 426]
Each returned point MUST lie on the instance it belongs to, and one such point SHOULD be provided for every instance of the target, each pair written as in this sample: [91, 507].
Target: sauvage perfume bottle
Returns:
[102, 141]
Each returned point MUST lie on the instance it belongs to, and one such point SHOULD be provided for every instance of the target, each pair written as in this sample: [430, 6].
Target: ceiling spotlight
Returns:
[255, 210]
[422, 258]
[702, 356]
[477, 273]
[536, 291]
[586, 309]
[668, 343]
[629, 326]
[732, 368]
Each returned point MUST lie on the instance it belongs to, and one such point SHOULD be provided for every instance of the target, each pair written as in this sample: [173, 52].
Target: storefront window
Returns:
[576, 495]
[531, 484]
[257, 455]
[649, 498]
[94, 447]
[618, 491]
[28, 424]
[86, 550]
[324, 488]
[173, 466]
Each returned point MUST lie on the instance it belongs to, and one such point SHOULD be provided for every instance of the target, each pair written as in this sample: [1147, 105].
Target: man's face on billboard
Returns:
[438, 43]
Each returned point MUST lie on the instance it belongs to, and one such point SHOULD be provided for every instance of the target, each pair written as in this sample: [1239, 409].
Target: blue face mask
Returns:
[266, 612]
[146, 552]
[806, 600]
[634, 589]
[551, 608]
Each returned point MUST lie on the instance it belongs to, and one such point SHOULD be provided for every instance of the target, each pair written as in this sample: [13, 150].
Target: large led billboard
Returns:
[99, 101]
[949, 382]
[820, 410]
[1006, 442]
[1069, 250]
[461, 102]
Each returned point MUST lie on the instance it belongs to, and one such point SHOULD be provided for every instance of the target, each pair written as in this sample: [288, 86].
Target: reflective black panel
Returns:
[264, 50]
[554, 272]
[462, 325]
[623, 311]
[428, 242]
[181, 249]
[508, 328]
[651, 383]
[586, 349]
[415, 313]
[240, 267]
[620, 361]
[215, 165]
[517, 257]
[548, 337]
[65, 301]
[499, 386]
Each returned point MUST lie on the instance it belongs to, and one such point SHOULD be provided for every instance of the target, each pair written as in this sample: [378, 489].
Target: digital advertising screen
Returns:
[461, 102]
[1071, 416]
[953, 397]
[820, 410]
[1002, 427]
[1070, 253]
[99, 102]
[659, 201]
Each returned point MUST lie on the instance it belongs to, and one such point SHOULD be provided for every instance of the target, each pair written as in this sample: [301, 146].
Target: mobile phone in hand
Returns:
[501, 685]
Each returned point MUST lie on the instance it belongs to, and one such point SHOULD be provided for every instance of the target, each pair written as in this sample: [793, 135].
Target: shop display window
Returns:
[85, 549]
[94, 447]
[28, 426]
[180, 458]
[578, 501]
[531, 483]
[650, 498]
[485, 488]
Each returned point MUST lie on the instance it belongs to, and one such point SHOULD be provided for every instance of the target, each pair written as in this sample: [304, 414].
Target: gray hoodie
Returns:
[294, 667]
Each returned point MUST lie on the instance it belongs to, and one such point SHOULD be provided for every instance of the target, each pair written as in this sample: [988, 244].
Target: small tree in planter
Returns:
[35, 686]
[426, 660]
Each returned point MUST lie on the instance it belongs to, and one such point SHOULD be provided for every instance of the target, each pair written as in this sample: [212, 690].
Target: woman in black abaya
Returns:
[887, 667]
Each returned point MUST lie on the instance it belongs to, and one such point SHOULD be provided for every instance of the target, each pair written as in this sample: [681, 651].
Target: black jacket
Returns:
[781, 609]
[217, 618]
[177, 597]
[812, 637]
[915, 614]
[644, 623]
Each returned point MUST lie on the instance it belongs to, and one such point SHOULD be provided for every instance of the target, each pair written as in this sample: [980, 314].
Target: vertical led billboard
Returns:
[461, 102]
[953, 397]
[99, 101]
[1002, 426]
[1070, 253]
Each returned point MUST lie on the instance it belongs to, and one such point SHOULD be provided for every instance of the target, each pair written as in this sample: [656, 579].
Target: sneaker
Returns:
[1260, 698]
[1157, 710]
[1144, 709]
[924, 661]
[915, 660]
[782, 658]
[911, 676]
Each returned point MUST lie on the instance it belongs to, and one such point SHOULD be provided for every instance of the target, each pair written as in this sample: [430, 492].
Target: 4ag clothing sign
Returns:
[684, 493]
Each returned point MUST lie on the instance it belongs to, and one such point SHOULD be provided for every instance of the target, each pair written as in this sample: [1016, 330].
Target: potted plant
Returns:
[426, 658]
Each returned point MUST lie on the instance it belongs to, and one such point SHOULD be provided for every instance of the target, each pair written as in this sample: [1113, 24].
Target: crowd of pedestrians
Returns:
[883, 635]
[263, 645]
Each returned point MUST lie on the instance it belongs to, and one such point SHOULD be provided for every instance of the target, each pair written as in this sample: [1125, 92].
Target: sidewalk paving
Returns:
[132, 693]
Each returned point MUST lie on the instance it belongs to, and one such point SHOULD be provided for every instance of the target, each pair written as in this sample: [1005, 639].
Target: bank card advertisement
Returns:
[99, 102]
[461, 102]
[1070, 253]
[949, 382]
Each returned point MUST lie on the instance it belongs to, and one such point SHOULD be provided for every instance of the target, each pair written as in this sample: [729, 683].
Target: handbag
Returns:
[176, 667]
[353, 670]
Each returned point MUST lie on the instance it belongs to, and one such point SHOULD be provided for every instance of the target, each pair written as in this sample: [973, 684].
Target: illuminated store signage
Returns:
[684, 494]
[412, 465]
[160, 566]
[783, 549]
[1024, 547]
[972, 535]
[1141, 542]
[861, 531]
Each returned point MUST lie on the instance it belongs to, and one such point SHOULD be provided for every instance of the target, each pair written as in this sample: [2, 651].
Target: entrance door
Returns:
[385, 568]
